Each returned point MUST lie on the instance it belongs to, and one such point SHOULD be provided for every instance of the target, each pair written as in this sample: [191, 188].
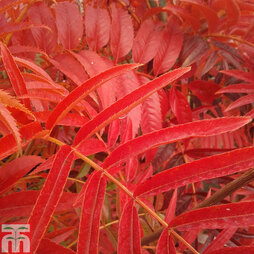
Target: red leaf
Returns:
[147, 42]
[50, 195]
[194, 48]
[92, 146]
[21, 203]
[69, 24]
[8, 143]
[125, 104]
[14, 170]
[199, 170]
[210, 14]
[71, 119]
[204, 90]
[169, 49]
[41, 14]
[172, 134]
[34, 67]
[234, 250]
[219, 216]
[68, 65]
[49, 247]
[223, 237]
[170, 214]
[113, 132]
[95, 64]
[247, 99]
[121, 33]
[238, 88]
[242, 75]
[10, 123]
[97, 23]
[165, 244]
[151, 118]
[180, 106]
[14, 74]
[82, 91]
[129, 231]
[91, 213]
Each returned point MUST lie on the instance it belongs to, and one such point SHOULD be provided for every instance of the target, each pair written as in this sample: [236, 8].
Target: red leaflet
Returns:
[9, 122]
[238, 88]
[71, 119]
[41, 14]
[97, 24]
[151, 118]
[113, 132]
[223, 237]
[125, 104]
[194, 48]
[69, 24]
[60, 235]
[8, 143]
[121, 33]
[14, 170]
[210, 14]
[50, 247]
[95, 64]
[204, 90]
[165, 244]
[242, 75]
[199, 170]
[234, 250]
[14, 74]
[50, 195]
[172, 134]
[170, 214]
[21, 203]
[169, 48]
[82, 91]
[180, 106]
[219, 216]
[92, 146]
[241, 101]
[147, 42]
[91, 213]
[68, 65]
[129, 231]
